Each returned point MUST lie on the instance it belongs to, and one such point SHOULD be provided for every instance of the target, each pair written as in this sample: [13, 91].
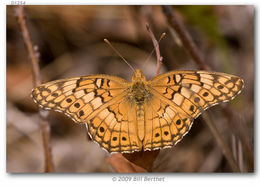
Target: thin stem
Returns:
[161, 37]
[157, 50]
[28, 43]
[34, 58]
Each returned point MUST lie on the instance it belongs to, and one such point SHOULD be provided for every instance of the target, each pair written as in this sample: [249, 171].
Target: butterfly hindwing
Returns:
[164, 125]
[114, 127]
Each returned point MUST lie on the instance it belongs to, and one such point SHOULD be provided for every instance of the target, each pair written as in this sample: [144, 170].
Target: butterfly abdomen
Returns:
[140, 120]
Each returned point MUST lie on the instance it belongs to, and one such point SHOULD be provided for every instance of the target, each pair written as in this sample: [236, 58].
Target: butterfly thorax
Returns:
[138, 91]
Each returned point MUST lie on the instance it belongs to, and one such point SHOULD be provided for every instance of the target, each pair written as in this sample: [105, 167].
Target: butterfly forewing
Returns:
[195, 91]
[79, 97]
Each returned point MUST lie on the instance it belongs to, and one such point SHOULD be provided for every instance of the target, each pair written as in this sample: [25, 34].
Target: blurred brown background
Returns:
[70, 42]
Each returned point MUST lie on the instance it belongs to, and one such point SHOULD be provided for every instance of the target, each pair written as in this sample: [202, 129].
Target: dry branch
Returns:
[34, 58]
[157, 49]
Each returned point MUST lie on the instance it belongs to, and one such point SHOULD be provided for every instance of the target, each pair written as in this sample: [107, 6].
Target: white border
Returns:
[101, 179]
[135, 2]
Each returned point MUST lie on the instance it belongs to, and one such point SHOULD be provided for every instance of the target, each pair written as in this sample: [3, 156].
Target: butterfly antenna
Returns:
[116, 51]
[161, 37]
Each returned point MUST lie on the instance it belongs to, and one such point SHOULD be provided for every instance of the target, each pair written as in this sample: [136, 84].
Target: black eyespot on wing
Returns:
[196, 99]
[81, 113]
[77, 105]
[192, 108]
[178, 122]
[205, 94]
[69, 100]
[101, 129]
[55, 94]
[220, 86]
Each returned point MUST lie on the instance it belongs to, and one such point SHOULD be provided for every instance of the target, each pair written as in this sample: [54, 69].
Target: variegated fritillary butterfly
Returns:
[141, 115]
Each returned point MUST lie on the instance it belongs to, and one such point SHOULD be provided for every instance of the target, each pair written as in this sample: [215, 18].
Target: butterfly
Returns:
[124, 116]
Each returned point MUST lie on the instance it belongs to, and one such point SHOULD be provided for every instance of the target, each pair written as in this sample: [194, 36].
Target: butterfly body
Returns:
[139, 90]
[141, 115]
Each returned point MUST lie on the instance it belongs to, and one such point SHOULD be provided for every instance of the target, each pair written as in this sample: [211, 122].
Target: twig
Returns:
[27, 40]
[157, 50]
[34, 58]
[185, 37]
[196, 56]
